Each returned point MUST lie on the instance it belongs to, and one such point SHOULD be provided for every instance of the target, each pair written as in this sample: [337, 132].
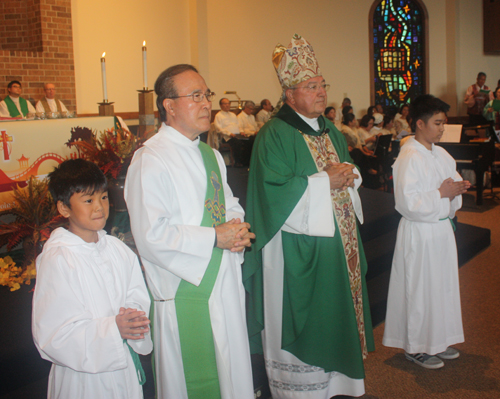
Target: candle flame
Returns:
[103, 54]
[144, 43]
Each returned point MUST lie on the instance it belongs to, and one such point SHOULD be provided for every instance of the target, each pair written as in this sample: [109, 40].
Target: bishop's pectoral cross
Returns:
[4, 139]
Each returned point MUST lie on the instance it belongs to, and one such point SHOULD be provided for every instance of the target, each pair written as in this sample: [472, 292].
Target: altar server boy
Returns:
[90, 301]
[423, 309]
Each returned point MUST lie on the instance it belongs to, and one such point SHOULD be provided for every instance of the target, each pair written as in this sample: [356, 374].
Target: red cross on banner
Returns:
[4, 139]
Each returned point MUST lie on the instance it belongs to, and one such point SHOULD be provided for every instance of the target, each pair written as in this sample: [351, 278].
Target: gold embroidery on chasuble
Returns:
[323, 153]
[213, 205]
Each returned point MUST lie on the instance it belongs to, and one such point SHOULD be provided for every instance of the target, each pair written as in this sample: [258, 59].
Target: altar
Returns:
[34, 148]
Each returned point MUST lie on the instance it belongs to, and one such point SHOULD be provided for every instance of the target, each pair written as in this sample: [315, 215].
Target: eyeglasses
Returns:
[313, 87]
[198, 96]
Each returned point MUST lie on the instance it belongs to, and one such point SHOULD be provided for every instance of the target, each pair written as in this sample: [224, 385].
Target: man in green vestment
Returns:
[190, 233]
[14, 106]
[308, 309]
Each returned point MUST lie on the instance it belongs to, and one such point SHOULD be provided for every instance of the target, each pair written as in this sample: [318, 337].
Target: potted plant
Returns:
[111, 150]
[34, 217]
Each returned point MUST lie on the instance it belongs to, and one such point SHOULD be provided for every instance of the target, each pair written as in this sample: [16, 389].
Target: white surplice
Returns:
[165, 193]
[262, 117]
[247, 124]
[79, 290]
[423, 308]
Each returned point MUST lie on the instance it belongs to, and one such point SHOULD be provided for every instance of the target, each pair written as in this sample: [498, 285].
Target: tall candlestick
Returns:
[103, 70]
[144, 65]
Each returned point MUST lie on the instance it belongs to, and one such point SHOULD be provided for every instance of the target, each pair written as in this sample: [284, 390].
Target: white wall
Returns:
[119, 27]
[470, 57]
[233, 41]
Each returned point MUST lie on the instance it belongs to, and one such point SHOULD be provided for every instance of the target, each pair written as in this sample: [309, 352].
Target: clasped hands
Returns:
[450, 188]
[132, 323]
[341, 175]
[234, 235]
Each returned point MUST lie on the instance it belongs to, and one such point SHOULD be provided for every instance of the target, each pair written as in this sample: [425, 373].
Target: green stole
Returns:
[46, 105]
[191, 302]
[11, 106]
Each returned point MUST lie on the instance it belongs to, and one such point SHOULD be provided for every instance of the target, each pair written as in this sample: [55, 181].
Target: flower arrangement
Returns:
[111, 150]
[35, 216]
[13, 276]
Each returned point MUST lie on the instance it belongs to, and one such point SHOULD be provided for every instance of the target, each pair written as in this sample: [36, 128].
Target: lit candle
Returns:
[103, 70]
[144, 65]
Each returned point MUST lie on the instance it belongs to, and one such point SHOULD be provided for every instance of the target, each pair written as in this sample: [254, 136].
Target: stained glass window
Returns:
[398, 51]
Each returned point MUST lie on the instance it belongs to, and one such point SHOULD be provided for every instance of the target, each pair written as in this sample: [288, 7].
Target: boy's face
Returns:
[431, 132]
[87, 215]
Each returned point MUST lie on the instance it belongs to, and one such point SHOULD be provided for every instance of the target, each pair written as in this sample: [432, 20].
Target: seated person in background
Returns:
[265, 113]
[401, 121]
[50, 103]
[389, 126]
[361, 156]
[246, 121]
[379, 109]
[350, 132]
[490, 114]
[226, 123]
[492, 92]
[476, 97]
[91, 304]
[331, 114]
[345, 103]
[365, 127]
[348, 110]
[371, 110]
[14, 106]
[378, 124]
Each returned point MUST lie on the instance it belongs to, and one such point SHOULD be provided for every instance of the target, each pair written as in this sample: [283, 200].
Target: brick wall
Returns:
[36, 47]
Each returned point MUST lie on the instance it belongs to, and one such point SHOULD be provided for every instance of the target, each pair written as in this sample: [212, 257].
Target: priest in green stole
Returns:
[14, 106]
[308, 309]
[190, 234]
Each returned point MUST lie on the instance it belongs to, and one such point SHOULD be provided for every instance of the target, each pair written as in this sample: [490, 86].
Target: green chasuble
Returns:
[319, 321]
[11, 106]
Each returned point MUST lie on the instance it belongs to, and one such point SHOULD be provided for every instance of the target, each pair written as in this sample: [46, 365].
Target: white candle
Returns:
[103, 70]
[144, 65]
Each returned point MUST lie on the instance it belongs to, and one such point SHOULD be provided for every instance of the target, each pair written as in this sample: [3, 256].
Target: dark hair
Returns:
[348, 118]
[346, 99]
[481, 74]
[223, 98]
[402, 106]
[262, 103]
[75, 176]
[365, 120]
[495, 93]
[346, 110]
[13, 83]
[371, 110]
[388, 119]
[425, 107]
[165, 87]
[328, 109]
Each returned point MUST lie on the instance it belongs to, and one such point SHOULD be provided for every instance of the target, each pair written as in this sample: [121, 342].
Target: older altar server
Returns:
[179, 201]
